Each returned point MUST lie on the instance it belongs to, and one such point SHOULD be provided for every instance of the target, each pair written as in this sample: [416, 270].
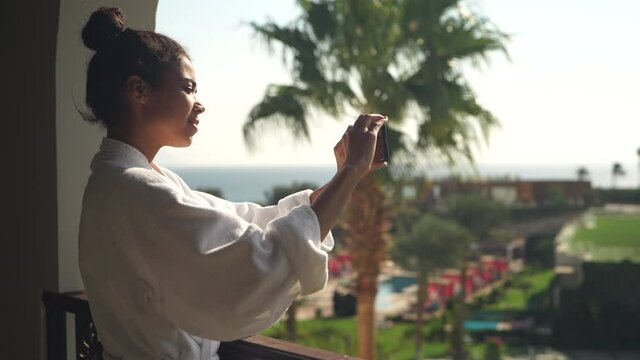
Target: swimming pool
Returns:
[394, 284]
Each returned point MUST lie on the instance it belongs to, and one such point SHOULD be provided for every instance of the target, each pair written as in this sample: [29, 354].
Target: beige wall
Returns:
[77, 140]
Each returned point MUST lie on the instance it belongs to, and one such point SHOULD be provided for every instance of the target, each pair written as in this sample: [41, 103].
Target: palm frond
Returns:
[451, 121]
[282, 105]
[332, 96]
[319, 15]
[299, 43]
[461, 40]
[396, 57]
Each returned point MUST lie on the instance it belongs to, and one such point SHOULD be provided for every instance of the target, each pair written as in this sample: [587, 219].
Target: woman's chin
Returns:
[184, 142]
[187, 141]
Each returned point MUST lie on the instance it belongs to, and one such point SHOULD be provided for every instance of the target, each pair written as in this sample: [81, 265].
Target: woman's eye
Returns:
[188, 90]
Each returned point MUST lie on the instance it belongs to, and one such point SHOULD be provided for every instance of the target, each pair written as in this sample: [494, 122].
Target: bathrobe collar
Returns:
[119, 153]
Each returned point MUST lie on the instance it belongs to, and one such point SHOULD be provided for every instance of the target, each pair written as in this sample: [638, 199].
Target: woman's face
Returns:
[173, 107]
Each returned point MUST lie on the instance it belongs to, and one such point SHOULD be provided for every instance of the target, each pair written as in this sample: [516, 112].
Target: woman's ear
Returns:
[137, 89]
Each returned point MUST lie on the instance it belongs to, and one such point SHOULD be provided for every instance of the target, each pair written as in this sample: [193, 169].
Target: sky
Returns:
[567, 95]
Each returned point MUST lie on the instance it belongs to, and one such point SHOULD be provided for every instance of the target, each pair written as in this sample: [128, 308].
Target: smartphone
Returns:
[382, 147]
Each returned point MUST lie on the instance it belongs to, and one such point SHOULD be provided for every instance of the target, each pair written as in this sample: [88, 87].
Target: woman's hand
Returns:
[357, 146]
[354, 157]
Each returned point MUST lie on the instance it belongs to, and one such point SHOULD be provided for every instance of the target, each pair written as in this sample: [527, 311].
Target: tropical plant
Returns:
[367, 223]
[281, 191]
[215, 191]
[481, 216]
[582, 173]
[433, 243]
[401, 58]
[273, 196]
[492, 350]
[475, 212]
[617, 170]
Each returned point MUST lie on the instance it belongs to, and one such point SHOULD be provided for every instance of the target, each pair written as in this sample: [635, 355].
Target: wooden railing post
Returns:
[88, 346]
[56, 328]
[83, 332]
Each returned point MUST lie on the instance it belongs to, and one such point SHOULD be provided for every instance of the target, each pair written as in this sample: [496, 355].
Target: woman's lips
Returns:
[194, 123]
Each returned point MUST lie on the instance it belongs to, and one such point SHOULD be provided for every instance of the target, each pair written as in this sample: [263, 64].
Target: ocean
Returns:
[251, 183]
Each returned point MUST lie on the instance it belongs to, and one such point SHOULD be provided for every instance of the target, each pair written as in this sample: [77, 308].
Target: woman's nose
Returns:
[198, 108]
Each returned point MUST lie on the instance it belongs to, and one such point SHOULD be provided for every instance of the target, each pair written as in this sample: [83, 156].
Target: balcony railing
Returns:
[88, 346]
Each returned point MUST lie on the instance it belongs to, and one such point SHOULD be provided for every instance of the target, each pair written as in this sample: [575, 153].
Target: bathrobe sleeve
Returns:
[251, 212]
[261, 215]
[227, 275]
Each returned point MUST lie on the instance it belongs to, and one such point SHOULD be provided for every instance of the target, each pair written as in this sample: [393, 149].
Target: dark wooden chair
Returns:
[88, 346]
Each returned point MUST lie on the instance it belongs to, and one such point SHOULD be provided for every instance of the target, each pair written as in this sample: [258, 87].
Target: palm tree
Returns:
[273, 196]
[280, 191]
[617, 170]
[434, 243]
[367, 224]
[582, 173]
[212, 190]
[481, 217]
[400, 58]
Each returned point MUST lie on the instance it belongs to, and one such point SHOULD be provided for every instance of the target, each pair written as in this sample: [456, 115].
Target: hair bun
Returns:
[103, 26]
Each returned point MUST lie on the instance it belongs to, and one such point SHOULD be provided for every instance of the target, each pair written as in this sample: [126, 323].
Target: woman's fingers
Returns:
[339, 146]
[357, 146]
[375, 125]
[340, 149]
[364, 121]
[378, 166]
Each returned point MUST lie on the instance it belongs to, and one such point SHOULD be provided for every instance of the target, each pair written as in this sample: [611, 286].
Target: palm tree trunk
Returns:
[367, 289]
[458, 347]
[367, 225]
[421, 296]
[292, 333]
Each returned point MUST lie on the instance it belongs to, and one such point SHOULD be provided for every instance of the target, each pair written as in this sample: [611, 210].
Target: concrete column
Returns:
[46, 151]
[28, 261]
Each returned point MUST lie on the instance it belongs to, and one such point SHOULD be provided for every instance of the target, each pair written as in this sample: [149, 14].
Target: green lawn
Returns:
[397, 342]
[523, 288]
[609, 238]
[340, 335]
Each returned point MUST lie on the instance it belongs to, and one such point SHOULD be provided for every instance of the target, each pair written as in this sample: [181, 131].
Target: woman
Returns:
[170, 271]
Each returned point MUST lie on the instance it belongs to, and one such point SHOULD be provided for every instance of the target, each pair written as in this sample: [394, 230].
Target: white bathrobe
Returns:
[167, 268]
